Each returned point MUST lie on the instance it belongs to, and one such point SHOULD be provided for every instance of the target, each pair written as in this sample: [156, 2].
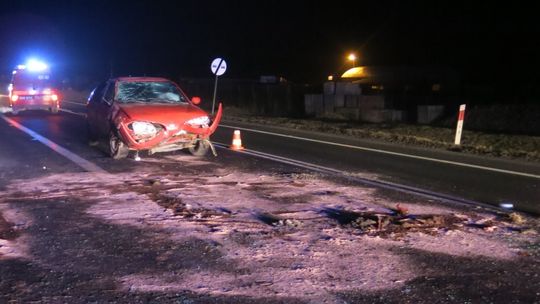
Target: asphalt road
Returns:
[475, 178]
[485, 180]
[178, 228]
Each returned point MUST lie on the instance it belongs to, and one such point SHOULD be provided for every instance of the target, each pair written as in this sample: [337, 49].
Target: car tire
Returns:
[53, 110]
[117, 148]
[200, 148]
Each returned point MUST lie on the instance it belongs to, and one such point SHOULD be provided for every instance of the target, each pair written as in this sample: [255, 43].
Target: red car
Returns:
[147, 113]
[31, 89]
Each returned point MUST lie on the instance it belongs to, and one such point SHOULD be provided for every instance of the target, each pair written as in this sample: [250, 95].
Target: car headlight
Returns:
[141, 128]
[199, 121]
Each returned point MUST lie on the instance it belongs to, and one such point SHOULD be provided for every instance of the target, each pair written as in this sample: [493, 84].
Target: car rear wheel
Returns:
[117, 148]
[200, 148]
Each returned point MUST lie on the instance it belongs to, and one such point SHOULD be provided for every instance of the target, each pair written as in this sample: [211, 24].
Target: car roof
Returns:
[139, 79]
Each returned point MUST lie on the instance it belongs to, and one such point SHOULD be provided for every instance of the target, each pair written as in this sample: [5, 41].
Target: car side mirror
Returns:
[196, 100]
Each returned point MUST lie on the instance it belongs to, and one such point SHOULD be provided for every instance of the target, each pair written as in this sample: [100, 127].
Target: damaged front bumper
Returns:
[169, 140]
[182, 145]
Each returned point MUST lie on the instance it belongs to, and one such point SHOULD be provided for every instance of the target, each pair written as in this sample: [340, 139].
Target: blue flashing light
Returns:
[35, 65]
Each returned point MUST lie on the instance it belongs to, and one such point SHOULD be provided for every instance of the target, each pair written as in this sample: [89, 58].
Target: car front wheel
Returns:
[200, 148]
[117, 148]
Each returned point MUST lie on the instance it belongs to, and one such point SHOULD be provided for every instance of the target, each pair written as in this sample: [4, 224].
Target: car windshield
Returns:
[148, 92]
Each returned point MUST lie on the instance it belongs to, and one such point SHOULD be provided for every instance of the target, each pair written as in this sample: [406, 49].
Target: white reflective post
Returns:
[459, 128]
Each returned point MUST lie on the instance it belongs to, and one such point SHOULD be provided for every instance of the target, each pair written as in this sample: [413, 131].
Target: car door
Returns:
[103, 110]
[92, 104]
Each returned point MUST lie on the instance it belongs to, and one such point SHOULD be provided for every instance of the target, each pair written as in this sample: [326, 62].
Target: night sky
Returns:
[302, 41]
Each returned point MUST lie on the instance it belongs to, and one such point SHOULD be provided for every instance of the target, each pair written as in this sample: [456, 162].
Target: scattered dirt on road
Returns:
[6, 229]
[254, 237]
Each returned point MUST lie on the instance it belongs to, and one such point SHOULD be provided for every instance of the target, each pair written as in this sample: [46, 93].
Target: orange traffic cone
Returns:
[236, 141]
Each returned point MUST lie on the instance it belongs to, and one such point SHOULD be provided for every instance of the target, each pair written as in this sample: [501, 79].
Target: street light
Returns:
[352, 57]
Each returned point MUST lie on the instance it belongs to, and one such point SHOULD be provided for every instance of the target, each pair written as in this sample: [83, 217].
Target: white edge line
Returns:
[388, 152]
[81, 162]
[371, 182]
[74, 113]
[74, 102]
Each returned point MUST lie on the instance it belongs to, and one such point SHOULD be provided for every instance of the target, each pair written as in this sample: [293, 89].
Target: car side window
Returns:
[109, 94]
[96, 94]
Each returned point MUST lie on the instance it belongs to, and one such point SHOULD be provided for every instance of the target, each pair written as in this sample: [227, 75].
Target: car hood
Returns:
[162, 113]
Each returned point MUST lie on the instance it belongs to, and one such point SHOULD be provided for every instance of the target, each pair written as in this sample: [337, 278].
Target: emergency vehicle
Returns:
[31, 88]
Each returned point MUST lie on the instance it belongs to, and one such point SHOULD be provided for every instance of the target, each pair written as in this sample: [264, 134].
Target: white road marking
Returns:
[388, 152]
[74, 113]
[81, 162]
[75, 103]
[371, 182]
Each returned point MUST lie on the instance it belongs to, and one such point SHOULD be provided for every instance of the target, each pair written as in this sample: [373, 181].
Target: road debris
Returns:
[187, 210]
[6, 229]
[401, 210]
[279, 238]
[399, 222]
[516, 218]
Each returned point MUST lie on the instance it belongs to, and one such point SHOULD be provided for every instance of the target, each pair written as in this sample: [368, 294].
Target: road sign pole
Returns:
[218, 67]
[214, 98]
[459, 128]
